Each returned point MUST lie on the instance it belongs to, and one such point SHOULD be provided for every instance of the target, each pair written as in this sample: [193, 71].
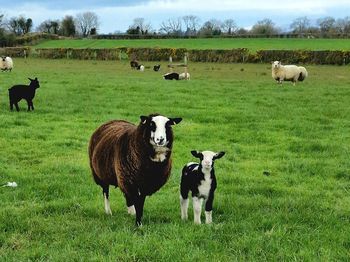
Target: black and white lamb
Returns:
[199, 178]
[27, 92]
[135, 158]
[156, 68]
[171, 76]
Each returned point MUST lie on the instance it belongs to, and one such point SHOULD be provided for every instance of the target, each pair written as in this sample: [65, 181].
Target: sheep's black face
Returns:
[34, 82]
[207, 157]
[158, 129]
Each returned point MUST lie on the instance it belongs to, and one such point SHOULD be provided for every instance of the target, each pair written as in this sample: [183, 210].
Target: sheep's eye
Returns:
[152, 125]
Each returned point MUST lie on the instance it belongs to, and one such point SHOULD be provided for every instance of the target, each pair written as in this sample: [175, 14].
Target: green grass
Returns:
[205, 43]
[301, 135]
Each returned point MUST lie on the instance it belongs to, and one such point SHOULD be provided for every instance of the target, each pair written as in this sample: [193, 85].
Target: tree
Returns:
[191, 23]
[326, 25]
[68, 26]
[140, 25]
[172, 26]
[211, 27]
[229, 26]
[342, 25]
[300, 25]
[45, 26]
[13, 26]
[264, 27]
[86, 21]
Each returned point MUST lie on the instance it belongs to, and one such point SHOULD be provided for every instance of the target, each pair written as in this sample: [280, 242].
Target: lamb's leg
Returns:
[197, 209]
[17, 107]
[31, 104]
[139, 203]
[209, 208]
[130, 205]
[184, 203]
[11, 105]
[106, 198]
[28, 104]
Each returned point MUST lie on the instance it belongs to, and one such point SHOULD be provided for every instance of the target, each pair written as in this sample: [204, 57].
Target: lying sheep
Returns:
[199, 178]
[171, 76]
[184, 76]
[135, 158]
[6, 63]
[287, 72]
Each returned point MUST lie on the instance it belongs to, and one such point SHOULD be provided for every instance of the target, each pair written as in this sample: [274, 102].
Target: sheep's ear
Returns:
[176, 120]
[219, 155]
[36, 79]
[30, 79]
[196, 153]
[144, 119]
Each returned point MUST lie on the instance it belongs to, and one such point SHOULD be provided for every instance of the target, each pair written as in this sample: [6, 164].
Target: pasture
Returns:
[298, 136]
[206, 43]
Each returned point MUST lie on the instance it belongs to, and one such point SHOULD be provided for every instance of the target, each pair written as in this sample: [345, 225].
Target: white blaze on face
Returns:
[207, 159]
[158, 137]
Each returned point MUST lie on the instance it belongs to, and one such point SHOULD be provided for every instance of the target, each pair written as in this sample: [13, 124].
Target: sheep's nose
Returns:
[161, 140]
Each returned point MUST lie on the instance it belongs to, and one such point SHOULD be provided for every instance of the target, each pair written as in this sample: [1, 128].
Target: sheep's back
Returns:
[104, 147]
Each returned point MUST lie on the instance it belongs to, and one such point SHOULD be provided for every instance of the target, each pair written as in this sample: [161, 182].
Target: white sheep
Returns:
[288, 72]
[6, 63]
[184, 76]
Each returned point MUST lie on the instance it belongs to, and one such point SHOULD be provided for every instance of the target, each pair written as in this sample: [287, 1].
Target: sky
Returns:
[118, 15]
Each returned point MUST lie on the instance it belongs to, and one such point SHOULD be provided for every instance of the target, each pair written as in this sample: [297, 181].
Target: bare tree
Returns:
[342, 25]
[45, 26]
[191, 24]
[140, 24]
[229, 26]
[326, 24]
[86, 21]
[300, 25]
[172, 26]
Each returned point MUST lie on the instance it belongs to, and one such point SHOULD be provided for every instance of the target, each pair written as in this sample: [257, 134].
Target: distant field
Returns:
[299, 134]
[252, 44]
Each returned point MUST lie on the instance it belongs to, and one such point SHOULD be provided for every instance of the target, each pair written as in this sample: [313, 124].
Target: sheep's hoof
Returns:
[139, 224]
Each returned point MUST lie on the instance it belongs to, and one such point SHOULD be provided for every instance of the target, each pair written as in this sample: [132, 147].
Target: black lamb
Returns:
[27, 92]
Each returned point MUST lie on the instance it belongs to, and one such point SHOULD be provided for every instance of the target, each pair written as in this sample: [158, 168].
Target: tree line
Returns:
[87, 23]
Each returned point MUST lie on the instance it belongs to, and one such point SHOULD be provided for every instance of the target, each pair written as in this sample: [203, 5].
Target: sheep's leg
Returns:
[130, 205]
[11, 105]
[139, 203]
[106, 199]
[17, 107]
[184, 203]
[197, 209]
[28, 104]
[31, 104]
[209, 209]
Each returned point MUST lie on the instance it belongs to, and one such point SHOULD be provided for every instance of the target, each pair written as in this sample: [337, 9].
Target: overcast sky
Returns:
[118, 15]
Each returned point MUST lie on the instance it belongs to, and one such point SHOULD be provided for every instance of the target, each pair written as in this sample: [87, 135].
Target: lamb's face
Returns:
[207, 157]
[276, 64]
[159, 128]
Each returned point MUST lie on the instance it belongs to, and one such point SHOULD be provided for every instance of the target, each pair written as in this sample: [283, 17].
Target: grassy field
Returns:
[300, 135]
[205, 43]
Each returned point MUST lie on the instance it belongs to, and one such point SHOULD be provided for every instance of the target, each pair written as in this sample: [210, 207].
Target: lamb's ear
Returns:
[30, 79]
[196, 153]
[144, 119]
[176, 120]
[219, 155]
[36, 79]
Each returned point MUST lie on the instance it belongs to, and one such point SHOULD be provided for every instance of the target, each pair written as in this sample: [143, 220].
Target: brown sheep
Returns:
[137, 159]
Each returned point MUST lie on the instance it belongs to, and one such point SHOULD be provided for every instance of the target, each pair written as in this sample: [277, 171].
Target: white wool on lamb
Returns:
[184, 76]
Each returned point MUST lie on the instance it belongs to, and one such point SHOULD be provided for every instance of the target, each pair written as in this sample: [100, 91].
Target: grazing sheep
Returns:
[27, 92]
[137, 159]
[201, 181]
[171, 76]
[287, 72]
[156, 68]
[184, 76]
[134, 64]
[6, 63]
